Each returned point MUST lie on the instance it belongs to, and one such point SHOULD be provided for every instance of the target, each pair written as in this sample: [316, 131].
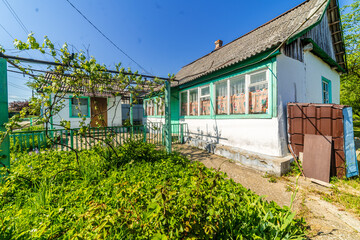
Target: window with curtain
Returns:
[205, 100]
[160, 107]
[150, 108]
[79, 106]
[237, 95]
[193, 103]
[258, 93]
[184, 103]
[221, 98]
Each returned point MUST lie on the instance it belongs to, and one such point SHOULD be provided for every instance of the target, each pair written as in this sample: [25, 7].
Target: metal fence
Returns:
[62, 139]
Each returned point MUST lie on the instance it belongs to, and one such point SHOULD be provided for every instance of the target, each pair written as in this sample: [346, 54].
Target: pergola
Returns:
[4, 59]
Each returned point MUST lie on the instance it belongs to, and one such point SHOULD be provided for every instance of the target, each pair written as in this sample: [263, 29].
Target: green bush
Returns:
[137, 192]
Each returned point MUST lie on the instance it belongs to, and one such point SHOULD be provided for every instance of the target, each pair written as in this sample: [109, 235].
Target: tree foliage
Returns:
[17, 106]
[350, 82]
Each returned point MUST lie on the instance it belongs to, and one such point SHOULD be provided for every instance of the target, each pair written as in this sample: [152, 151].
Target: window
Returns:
[326, 90]
[184, 103]
[160, 107]
[258, 93]
[237, 95]
[150, 108]
[205, 100]
[79, 106]
[221, 97]
[193, 102]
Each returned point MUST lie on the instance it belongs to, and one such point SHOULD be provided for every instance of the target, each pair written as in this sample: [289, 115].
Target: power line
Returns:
[64, 65]
[6, 31]
[12, 11]
[18, 86]
[107, 38]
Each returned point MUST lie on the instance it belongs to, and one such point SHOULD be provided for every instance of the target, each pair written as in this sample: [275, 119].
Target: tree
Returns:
[74, 72]
[17, 106]
[350, 82]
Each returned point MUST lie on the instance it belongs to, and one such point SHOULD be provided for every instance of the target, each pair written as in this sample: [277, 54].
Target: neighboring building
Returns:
[138, 111]
[106, 105]
[234, 98]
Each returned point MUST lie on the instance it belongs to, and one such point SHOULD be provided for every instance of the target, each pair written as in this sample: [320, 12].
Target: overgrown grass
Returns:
[357, 128]
[345, 192]
[294, 169]
[136, 193]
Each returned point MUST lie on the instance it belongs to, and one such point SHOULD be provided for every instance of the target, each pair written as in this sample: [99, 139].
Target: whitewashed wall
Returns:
[114, 114]
[315, 69]
[296, 82]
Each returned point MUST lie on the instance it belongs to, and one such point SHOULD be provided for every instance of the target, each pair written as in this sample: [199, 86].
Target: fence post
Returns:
[167, 126]
[131, 114]
[4, 115]
[145, 129]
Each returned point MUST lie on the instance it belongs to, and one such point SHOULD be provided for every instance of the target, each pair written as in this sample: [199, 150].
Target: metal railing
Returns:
[62, 139]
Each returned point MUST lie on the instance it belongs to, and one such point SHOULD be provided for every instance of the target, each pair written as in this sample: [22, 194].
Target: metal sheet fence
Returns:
[62, 139]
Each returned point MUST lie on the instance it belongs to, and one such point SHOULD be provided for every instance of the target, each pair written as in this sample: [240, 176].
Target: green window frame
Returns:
[269, 111]
[70, 107]
[326, 90]
[157, 105]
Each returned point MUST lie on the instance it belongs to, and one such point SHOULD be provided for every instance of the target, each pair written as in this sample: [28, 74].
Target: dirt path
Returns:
[325, 220]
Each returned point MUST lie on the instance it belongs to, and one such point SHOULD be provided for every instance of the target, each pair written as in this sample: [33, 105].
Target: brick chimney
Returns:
[218, 44]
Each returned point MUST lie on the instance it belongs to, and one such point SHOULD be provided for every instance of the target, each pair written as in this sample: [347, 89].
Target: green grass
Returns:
[357, 128]
[345, 192]
[134, 192]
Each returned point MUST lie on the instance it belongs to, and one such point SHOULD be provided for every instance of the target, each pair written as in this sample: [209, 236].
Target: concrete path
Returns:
[325, 220]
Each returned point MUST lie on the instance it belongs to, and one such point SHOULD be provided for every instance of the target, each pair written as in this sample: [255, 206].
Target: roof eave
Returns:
[317, 50]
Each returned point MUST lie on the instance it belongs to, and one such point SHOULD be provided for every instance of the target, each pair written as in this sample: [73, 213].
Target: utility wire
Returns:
[107, 37]
[6, 31]
[12, 11]
[18, 86]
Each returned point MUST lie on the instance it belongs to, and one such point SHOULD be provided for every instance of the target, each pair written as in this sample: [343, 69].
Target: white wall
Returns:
[315, 70]
[255, 135]
[296, 82]
[114, 114]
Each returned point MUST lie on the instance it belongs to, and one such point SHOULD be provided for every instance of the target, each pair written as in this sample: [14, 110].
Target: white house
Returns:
[97, 108]
[234, 98]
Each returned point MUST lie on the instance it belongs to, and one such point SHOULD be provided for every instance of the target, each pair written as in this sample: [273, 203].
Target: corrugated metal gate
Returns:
[318, 119]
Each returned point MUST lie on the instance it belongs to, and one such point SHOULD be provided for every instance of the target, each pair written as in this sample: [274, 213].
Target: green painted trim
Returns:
[70, 109]
[212, 98]
[51, 117]
[274, 92]
[296, 36]
[233, 116]
[4, 115]
[323, 79]
[269, 65]
[156, 109]
[323, 55]
[242, 67]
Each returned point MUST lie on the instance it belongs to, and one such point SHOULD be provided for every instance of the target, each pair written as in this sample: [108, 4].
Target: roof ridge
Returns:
[290, 10]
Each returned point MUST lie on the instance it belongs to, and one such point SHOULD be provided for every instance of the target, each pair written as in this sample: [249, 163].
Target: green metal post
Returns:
[4, 115]
[72, 138]
[131, 114]
[167, 126]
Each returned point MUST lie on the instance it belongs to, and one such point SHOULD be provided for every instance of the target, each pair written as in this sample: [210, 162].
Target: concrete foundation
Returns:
[271, 165]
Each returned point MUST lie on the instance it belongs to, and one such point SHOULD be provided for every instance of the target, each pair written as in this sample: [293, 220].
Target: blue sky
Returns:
[161, 35]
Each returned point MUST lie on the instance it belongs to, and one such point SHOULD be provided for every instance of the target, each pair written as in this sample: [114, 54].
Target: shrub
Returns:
[137, 192]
